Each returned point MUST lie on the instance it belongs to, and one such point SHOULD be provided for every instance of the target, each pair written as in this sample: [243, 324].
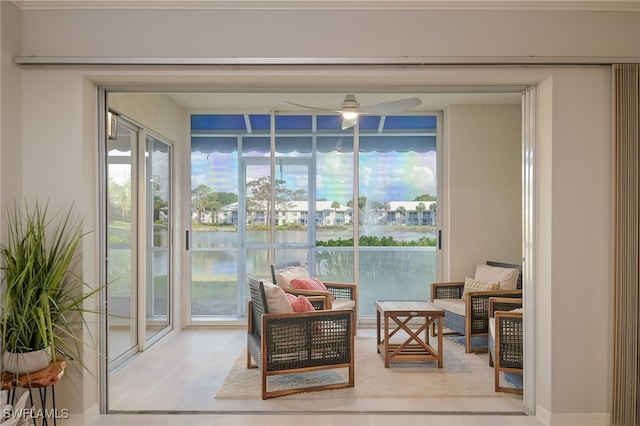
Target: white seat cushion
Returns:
[507, 277]
[343, 304]
[455, 306]
[492, 328]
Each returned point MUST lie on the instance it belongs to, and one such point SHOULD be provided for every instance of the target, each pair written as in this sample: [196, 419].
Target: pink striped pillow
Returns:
[308, 284]
[300, 303]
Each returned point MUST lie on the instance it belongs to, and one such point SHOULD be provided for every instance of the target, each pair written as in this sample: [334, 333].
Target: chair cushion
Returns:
[284, 278]
[277, 300]
[492, 328]
[343, 304]
[507, 277]
[471, 284]
[300, 303]
[456, 306]
[308, 284]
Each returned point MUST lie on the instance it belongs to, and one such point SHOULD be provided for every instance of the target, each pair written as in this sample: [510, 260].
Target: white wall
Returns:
[574, 168]
[10, 103]
[327, 33]
[156, 112]
[484, 180]
[581, 238]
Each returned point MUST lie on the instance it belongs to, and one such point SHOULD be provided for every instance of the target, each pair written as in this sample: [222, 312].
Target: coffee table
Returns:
[408, 345]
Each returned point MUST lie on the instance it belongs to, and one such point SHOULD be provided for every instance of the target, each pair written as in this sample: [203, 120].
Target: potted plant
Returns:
[43, 296]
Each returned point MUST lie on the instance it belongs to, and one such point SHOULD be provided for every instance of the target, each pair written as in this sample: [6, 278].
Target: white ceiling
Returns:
[261, 102]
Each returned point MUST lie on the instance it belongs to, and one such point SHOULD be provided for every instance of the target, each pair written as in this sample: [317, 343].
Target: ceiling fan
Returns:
[351, 109]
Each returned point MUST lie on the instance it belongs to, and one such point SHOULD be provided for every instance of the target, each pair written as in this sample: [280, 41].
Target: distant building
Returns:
[412, 213]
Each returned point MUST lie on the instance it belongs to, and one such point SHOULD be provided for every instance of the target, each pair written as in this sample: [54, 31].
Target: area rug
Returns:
[463, 375]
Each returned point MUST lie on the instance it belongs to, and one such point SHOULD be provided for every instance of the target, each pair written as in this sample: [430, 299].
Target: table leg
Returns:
[440, 348]
[426, 330]
[386, 341]
[378, 341]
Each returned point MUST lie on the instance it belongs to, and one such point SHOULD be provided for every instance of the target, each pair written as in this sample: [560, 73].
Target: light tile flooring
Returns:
[175, 381]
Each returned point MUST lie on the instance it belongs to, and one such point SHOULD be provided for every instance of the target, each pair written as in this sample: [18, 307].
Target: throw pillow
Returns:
[300, 303]
[471, 284]
[308, 284]
[277, 300]
[506, 277]
[283, 278]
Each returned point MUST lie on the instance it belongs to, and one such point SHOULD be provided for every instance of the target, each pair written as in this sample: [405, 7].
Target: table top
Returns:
[408, 306]
[48, 376]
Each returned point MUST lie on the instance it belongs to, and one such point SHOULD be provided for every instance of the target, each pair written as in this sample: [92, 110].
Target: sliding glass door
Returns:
[139, 255]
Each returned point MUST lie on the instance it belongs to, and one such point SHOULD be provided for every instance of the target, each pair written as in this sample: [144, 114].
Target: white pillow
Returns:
[507, 277]
[284, 278]
[277, 300]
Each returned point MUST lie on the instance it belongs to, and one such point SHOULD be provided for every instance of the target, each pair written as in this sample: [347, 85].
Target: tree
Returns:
[386, 207]
[401, 210]
[377, 206]
[199, 196]
[120, 198]
[335, 206]
[362, 204]
[420, 208]
[226, 198]
[159, 198]
[299, 195]
[213, 205]
[260, 199]
[425, 197]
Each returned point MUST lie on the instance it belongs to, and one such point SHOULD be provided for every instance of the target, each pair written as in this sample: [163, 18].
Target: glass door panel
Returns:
[295, 210]
[214, 237]
[121, 239]
[334, 251]
[256, 216]
[397, 199]
[158, 195]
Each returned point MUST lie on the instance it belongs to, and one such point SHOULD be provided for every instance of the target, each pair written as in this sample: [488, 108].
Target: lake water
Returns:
[384, 273]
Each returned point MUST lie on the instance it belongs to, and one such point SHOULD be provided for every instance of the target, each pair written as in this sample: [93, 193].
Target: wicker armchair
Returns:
[506, 339]
[342, 295]
[470, 317]
[289, 343]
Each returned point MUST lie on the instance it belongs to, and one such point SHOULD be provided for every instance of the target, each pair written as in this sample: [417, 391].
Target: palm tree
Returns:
[401, 210]
[432, 209]
[420, 208]
[335, 206]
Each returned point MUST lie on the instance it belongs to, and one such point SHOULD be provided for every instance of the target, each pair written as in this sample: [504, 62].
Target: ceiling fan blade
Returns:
[347, 123]
[311, 107]
[390, 107]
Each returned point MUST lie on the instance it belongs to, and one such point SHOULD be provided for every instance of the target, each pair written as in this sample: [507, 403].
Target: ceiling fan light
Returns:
[349, 123]
[349, 115]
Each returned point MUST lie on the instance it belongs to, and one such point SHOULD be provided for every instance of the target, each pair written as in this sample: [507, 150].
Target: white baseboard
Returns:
[572, 419]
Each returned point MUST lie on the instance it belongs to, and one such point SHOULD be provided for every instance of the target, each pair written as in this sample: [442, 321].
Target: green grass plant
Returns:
[44, 296]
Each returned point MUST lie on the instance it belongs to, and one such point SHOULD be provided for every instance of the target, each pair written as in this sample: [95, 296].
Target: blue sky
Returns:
[384, 176]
